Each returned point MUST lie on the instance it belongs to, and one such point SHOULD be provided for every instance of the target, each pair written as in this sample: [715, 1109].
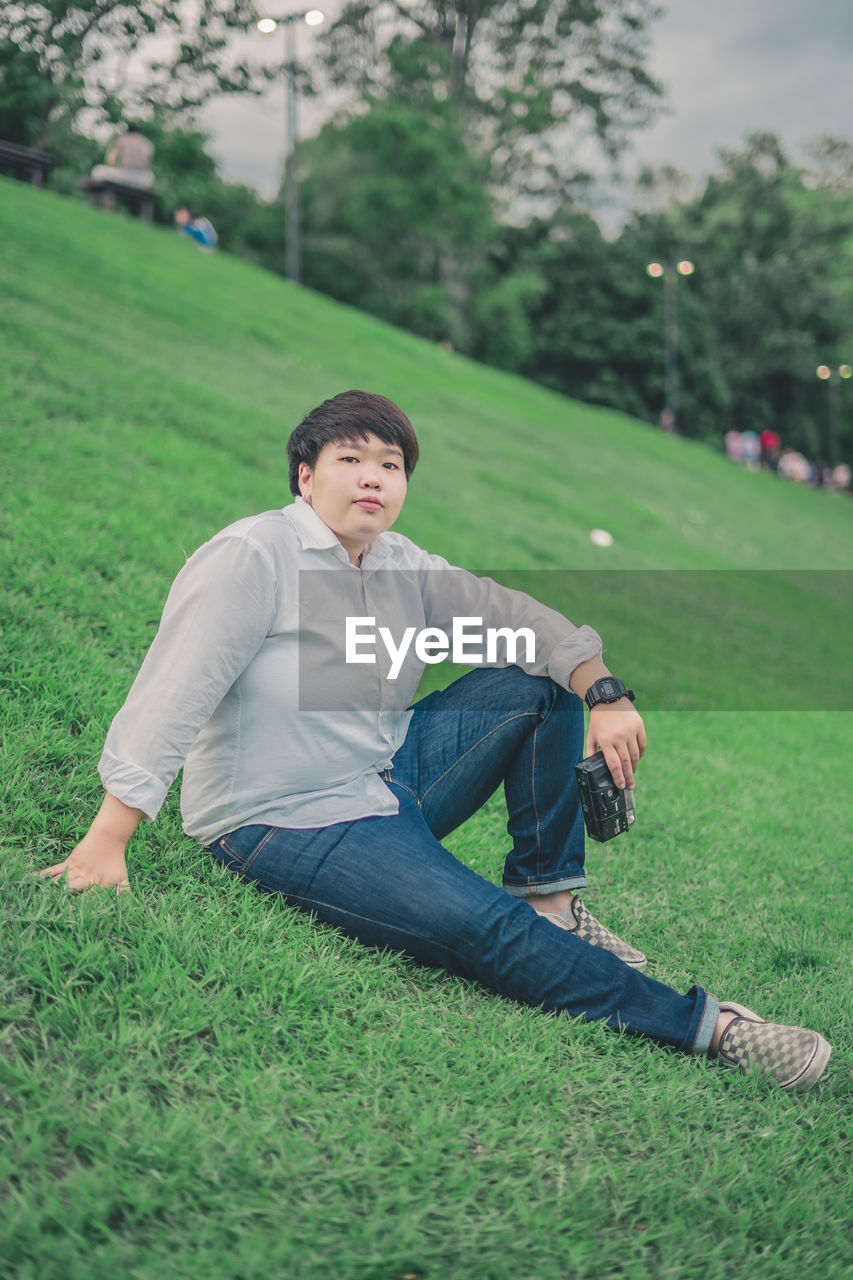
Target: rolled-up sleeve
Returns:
[217, 614]
[560, 646]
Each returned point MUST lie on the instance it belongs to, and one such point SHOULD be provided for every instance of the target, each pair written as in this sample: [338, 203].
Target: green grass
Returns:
[195, 1080]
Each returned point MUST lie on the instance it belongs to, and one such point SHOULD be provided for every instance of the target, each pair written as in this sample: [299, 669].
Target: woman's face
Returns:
[356, 488]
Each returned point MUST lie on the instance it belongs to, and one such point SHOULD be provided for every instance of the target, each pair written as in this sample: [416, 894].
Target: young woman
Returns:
[281, 678]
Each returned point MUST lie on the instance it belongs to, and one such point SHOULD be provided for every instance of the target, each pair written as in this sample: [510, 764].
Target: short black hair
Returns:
[352, 415]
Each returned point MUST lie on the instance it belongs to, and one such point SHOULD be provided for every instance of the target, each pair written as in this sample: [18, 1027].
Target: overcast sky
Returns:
[729, 67]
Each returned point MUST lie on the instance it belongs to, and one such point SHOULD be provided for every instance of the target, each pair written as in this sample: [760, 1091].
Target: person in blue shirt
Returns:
[197, 228]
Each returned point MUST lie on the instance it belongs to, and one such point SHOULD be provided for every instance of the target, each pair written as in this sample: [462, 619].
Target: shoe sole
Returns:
[814, 1068]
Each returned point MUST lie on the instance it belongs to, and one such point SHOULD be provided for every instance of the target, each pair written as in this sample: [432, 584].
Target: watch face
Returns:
[607, 689]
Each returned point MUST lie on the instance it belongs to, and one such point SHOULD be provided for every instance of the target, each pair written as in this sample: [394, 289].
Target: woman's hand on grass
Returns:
[617, 729]
[97, 860]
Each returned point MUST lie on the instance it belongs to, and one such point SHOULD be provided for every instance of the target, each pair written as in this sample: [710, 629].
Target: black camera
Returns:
[607, 811]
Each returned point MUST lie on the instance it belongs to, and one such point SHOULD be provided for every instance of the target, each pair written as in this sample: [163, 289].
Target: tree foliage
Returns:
[832, 159]
[769, 301]
[594, 320]
[462, 108]
[770, 260]
[396, 216]
[27, 99]
[533, 80]
[82, 49]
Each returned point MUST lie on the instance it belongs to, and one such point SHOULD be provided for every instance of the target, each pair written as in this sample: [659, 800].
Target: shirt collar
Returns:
[314, 534]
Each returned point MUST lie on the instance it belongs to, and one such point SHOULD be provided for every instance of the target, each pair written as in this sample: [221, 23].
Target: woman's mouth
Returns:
[369, 504]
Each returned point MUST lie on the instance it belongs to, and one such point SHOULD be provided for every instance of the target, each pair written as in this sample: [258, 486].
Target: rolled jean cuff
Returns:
[707, 1023]
[533, 888]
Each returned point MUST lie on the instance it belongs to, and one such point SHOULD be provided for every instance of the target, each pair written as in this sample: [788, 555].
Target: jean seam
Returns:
[535, 808]
[392, 782]
[223, 844]
[264, 842]
[521, 715]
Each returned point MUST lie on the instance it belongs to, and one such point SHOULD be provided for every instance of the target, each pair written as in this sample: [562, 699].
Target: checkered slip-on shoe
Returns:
[576, 919]
[794, 1058]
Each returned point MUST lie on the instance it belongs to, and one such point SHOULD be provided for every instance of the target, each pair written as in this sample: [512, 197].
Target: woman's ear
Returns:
[305, 474]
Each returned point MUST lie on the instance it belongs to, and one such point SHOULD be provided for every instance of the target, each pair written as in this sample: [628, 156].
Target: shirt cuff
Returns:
[131, 784]
[585, 644]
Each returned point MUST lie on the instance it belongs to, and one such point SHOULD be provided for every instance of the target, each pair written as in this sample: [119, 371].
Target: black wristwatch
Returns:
[607, 689]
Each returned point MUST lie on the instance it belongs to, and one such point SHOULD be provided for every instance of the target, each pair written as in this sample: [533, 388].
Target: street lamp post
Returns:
[292, 217]
[670, 273]
[833, 377]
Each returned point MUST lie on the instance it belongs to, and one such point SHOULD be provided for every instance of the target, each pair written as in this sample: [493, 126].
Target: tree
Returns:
[702, 391]
[533, 81]
[27, 99]
[396, 216]
[593, 321]
[37, 112]
[833, 165]
[81, 49]
[770, 257]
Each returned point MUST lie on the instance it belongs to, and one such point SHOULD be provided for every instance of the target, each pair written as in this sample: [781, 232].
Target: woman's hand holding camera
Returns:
[617, 729]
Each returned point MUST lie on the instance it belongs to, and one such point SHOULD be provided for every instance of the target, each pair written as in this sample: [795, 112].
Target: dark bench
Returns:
[106, 193]
[25, 163]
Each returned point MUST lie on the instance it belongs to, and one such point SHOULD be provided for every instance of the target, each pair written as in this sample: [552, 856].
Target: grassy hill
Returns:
[159, 349]
[194, 1080]
[139, 370]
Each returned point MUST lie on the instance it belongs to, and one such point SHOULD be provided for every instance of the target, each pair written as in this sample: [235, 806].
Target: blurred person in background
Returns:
[198, 229]
[750, 448]
[793, 466]
[770, 445]
[734, 446]
[129, 160]
[841, 477]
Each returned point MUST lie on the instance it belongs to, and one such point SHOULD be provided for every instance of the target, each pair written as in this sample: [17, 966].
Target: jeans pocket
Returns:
[238, 849]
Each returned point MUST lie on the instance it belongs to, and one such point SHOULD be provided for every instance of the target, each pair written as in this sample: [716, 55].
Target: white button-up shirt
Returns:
[246, 686]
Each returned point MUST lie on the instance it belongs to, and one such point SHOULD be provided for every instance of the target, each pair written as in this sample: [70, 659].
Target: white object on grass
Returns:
[601, 537]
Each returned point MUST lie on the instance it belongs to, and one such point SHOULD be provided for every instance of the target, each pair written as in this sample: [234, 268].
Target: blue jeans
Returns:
[390, 882]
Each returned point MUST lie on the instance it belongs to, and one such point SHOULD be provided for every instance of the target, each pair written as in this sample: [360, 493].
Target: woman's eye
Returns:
[392, 465]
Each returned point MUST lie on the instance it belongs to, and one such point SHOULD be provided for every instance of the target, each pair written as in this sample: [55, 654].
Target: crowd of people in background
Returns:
[766, 451]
